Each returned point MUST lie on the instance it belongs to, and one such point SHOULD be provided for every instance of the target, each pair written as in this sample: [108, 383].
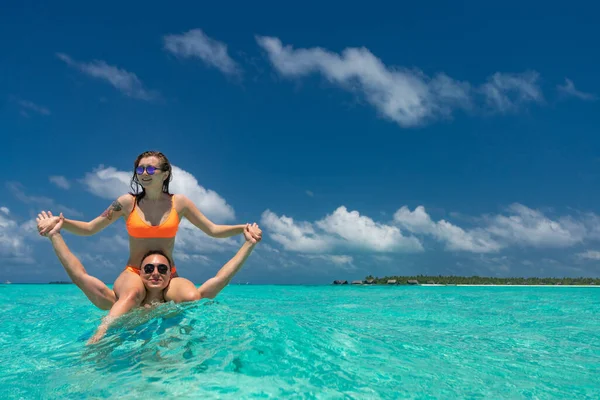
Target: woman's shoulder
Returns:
[180, 198]
[126, 199]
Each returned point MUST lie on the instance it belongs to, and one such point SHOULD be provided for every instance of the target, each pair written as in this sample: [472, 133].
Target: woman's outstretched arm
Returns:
[46, 221]
[198, 219]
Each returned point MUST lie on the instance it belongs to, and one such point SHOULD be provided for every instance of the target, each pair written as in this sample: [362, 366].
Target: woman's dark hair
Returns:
[153, 252]
[165, 165]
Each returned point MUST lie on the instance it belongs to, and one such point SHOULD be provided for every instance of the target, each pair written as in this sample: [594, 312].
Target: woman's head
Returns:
[155, 270]
[151, 169]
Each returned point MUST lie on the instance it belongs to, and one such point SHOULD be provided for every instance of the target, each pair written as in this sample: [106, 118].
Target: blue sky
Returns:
[390, 139]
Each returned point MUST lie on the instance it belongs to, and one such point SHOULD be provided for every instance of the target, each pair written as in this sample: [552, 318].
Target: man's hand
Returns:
[47, 222]
[49, 225]
[252, 233]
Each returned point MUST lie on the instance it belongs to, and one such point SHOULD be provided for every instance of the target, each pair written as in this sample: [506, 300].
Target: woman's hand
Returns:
[252, 233]
[46, 222]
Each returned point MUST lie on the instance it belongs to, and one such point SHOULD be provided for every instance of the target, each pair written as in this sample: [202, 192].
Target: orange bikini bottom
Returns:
[137, 270]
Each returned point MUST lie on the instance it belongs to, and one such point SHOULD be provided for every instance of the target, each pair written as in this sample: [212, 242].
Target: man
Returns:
[155, 274]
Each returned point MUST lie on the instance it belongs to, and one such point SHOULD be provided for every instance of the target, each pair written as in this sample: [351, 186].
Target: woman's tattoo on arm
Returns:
[115, 206]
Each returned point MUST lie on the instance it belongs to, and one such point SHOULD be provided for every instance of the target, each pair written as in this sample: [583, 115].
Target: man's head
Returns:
[155, 270]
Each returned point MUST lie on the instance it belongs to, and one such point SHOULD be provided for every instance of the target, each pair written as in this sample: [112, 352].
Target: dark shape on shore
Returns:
[338, 282]
[357, 282]
[370, 281]
[60, 283]
[412, 282]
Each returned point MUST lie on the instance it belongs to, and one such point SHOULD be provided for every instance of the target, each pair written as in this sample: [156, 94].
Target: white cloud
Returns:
[107, 182]
[332, 258]
[507, 92]
[339, 261]
[568, 89]
[195, 43]
[362, 232]
[294, 236]
[13, 248]
[342, 229]
[110, 183]
[419, 222]
[208, 201]
[60, 181]
[406, 96]
[310, 194]
[34, 107]
[126, 82]
[527, 227]
[590, 255]
[44, 203]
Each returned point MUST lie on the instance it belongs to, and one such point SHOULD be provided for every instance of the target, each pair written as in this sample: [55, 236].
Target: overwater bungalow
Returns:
[391, 282]
[412, 282]
[370, 281]
[357, 282]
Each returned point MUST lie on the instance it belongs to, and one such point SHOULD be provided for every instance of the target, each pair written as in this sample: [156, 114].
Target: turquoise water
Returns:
[308, 342]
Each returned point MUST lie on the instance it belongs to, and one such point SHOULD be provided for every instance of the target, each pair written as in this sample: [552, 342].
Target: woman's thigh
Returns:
[181, 290]
[129, 284]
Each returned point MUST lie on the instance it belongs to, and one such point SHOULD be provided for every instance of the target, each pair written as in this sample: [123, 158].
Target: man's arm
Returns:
[213, 286]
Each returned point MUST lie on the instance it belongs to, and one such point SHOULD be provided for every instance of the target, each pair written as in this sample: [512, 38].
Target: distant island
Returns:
[467, 280]
[60, 283]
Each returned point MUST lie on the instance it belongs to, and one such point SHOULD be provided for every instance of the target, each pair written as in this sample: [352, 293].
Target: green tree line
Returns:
[481, 280]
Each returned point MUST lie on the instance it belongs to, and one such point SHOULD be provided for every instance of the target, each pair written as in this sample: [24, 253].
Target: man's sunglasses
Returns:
[162, 268]
[149, 169]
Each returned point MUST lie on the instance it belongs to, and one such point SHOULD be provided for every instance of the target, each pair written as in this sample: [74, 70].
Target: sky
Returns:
[387, 139]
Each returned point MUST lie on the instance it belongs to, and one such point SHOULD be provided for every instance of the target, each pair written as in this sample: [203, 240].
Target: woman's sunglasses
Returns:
[149, 169]
[162, 268]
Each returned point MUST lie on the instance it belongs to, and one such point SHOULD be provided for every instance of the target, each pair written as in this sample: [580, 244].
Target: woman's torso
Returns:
[148, 219]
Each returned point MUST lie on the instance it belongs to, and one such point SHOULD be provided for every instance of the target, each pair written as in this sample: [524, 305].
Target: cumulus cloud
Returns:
[343, 228]
[110, 183]
[60, 181]
[126, 82]
[362, 232]
[107, 182]
[406, 96]
[196, 44]
[295, 236]
[455, 238]
[527, 227]
[41, 202]
[518, 226]
[568, 89]
[13, 246]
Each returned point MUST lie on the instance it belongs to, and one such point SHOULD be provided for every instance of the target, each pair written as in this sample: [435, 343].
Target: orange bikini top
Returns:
[138, 228]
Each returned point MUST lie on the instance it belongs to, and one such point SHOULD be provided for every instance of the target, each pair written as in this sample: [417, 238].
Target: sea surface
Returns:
[307, 342]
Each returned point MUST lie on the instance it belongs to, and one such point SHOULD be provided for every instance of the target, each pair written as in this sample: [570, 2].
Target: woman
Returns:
[152, 218]
[155, 274]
